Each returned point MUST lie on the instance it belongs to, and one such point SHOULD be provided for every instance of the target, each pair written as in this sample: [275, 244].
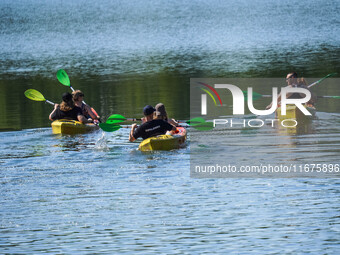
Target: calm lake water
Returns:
[96, 193]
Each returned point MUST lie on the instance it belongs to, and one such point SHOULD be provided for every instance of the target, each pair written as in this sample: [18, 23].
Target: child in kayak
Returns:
[151, 127]
[67, 110]
[78, 97]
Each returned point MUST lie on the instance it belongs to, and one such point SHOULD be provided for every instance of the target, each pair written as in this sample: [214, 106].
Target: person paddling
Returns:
[161, 113]
[151, 127]
[67, 110]
[78, 97]
[293, 82]
[302, 83]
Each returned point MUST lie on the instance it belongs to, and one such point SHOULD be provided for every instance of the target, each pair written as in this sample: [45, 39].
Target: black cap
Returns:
[148, 110]
[67, 97]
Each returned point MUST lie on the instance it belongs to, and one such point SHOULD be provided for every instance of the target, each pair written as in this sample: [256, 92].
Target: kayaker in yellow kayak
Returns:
[293, 82]
[161, 113]
[302, 83]
[151, 127]
[67, 110]
[78, 97]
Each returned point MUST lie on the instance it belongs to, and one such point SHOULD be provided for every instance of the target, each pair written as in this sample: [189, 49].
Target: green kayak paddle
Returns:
[65, 80]
[36, 96]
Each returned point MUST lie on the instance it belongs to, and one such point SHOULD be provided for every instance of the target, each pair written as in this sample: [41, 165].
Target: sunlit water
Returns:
[216, 38]
[97, 193]
[314, 142]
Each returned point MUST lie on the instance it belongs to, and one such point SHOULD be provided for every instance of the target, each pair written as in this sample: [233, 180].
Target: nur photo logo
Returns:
[234, 102]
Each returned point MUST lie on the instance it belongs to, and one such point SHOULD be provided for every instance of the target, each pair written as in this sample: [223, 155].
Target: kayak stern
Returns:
[72, 127]
[164, 142]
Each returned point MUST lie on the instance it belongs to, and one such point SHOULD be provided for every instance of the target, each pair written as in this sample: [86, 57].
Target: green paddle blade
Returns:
[203, 126]
[109, 127]
[194, 121]
[331, 74]
[255, 95]
[34, 95]
[63, 77]
[327, 76]
[317, 82]
[115, 118]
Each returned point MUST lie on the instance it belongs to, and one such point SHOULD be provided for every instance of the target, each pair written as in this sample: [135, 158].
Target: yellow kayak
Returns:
[72, 127]
[164, 142]
[293, 112]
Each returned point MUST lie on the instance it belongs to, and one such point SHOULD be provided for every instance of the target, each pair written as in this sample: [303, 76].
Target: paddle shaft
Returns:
[65, 80]
[93, 110]
[185, 122]
[49, 102]
[317, 96]
[314, 83]
[112, 123]
[133, 119]
[129, 126]
[336, 97]
[73, 90]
